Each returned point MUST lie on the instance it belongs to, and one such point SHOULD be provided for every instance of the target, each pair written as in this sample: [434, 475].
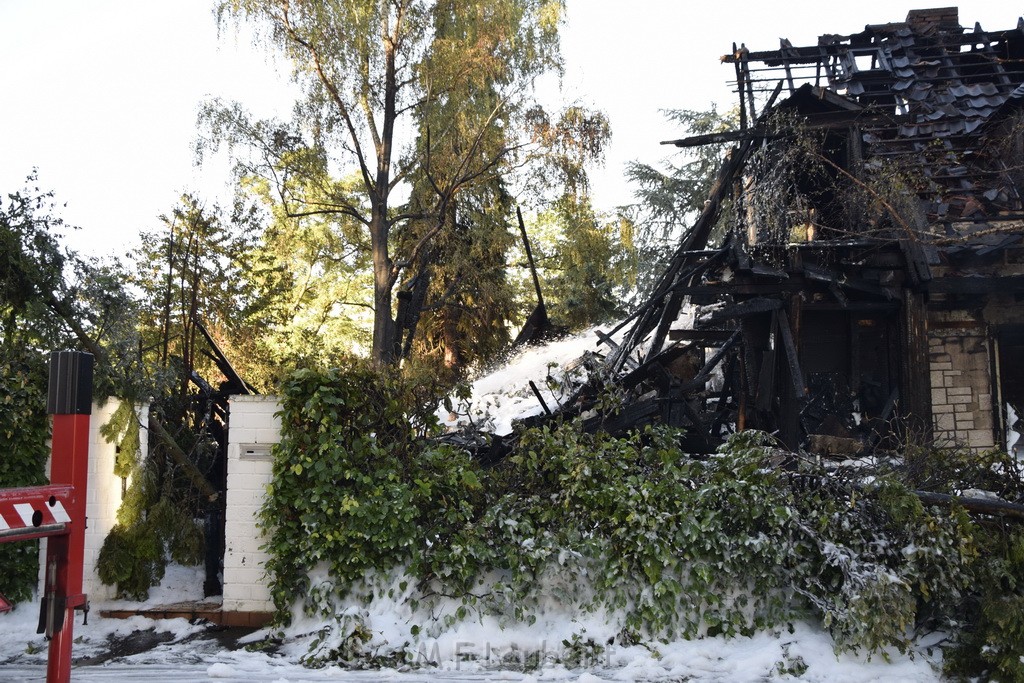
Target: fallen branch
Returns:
[179, 456]
[985, 506]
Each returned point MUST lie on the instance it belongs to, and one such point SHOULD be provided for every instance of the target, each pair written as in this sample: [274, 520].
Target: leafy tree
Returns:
[202, 267]
[670, 197]
[37, 301]
[590, 264]
[375, 74]
[315, 261]
[49, 299]
[585, 258]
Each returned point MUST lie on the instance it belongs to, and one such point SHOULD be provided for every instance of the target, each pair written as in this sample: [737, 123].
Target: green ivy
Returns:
[681, 546]
[151, 527]
[122, 429]
[24, 430]
[352, 485]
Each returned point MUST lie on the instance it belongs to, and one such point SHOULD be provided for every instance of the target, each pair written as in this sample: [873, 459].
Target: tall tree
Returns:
[669, 196]
[201, 266]
[50, 299]
[376, 74]
[584, 257]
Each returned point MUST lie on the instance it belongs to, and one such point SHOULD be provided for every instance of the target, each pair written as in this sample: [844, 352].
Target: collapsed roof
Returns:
[925, 94]
[875, 184]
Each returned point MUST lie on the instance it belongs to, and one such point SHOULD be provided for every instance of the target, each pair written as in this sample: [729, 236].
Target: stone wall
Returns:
[253, 428]
[961, 381]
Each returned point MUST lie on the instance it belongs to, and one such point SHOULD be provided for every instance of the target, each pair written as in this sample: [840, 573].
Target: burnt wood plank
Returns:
[792, 359]
[745, 308]
[711, 336]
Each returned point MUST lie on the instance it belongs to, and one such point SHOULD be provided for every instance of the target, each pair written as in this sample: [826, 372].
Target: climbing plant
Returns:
[24, 430]
[675, 545]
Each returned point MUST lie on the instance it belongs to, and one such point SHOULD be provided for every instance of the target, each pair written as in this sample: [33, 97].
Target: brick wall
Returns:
[102, 500]
[961, 384]
[252, 430]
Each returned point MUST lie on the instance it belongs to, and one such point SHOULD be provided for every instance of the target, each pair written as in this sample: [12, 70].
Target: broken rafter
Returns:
[749, 307]
[701, 377]
[827, 275]
[605, 339]
[792, 358]
[179, 456]
[644, 314]
[543, 404]
[222, 362]
[529, 258]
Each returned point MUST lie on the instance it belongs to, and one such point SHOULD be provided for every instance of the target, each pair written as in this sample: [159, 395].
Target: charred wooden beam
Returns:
[705, 372]
[666, 284]
[976, 285]
[669, 314]
[721, 138]
[222, 362]
[820, 121]
[766, 382]
[762, 270]
[722, 409]
[697, 238]
[605, 339]
[827, 275]
[536, 392]
[529, 257]
[745, 308]
[643, 371]
[628, 417]
[708, 336]
[792, 359]
[917, 261]
[537, 326]
[197, 478]
[814, 54]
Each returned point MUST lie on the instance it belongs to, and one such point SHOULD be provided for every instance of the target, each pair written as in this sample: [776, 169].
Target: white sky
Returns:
[102, 95]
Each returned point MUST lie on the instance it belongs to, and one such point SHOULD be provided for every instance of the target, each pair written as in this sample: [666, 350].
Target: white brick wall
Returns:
[252, 429]
[103, 497]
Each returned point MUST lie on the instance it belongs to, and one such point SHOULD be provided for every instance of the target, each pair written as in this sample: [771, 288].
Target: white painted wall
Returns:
[253, 428]
[103, 497]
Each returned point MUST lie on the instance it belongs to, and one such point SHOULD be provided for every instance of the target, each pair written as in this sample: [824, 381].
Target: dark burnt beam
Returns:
[831, 277]
[822, 53]
[745, 308]
[707, 336]
[792, 358]
[701, 378]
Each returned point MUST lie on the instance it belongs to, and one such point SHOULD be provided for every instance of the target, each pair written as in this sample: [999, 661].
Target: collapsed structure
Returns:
[869, 286]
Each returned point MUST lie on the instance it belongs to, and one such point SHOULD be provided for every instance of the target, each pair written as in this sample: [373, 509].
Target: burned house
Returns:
[869, 287]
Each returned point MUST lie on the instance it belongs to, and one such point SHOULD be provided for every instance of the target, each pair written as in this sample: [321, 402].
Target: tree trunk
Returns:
[384, 328]
[383, 323]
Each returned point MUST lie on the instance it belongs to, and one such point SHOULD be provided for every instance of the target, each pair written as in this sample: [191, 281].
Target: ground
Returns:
[175, 651]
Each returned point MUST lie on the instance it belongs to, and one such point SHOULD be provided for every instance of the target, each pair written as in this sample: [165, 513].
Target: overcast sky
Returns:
[101, 96]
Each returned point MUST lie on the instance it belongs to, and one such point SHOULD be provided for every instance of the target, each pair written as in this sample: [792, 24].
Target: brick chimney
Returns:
[925, 21]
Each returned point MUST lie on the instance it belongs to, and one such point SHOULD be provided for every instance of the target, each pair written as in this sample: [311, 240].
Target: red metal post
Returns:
[57, 511]
[70, 402]
[68, 464]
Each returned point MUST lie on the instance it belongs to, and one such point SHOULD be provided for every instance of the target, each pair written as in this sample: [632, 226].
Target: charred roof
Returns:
[926, 93]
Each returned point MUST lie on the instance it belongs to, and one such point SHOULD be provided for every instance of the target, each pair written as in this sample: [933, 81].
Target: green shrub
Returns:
[350, 478]
[153, 527]
[676, 545]
[24, 430]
